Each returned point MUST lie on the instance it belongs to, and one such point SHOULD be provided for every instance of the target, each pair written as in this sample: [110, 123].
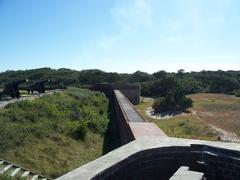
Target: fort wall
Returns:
[131, 124]
[149, 154]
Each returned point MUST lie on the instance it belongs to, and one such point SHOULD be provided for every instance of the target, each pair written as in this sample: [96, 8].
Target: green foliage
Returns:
[81, 131]
[160, 74]
[139, 76]
[237, 93]
[159, 87]
[187, 127]
[190, 85]
[73, 117]
[8, 177]
[155, 84]
[223, 84]
[175, 100]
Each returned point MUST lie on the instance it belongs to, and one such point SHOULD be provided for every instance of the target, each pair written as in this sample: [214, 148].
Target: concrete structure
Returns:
[160, 157]
[150, 154]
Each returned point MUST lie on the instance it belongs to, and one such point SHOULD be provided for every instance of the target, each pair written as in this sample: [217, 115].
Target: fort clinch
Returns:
[148, 153]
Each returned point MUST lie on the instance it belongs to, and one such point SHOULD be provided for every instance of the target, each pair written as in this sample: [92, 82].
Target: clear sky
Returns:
[120, 35]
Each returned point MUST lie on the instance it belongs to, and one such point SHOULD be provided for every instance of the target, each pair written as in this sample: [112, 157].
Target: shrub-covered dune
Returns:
[56, 133]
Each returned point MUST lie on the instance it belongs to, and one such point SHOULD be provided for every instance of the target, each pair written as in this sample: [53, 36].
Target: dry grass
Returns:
[219, 110]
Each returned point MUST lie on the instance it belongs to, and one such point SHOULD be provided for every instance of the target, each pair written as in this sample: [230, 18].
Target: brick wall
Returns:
[126, 134]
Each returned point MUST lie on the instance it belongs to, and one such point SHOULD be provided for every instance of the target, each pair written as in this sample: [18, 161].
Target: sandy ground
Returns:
[158, 116]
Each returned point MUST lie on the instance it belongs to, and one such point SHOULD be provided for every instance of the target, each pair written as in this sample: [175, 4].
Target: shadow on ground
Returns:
[112, 136]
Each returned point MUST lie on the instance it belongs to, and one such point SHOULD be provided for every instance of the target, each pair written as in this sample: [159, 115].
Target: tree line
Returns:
[156, 84]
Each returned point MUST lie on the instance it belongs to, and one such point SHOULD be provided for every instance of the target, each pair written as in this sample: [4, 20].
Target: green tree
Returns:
[173, 101]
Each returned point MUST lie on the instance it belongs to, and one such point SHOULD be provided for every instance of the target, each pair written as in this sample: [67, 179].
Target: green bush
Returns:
[99, 125]
[55, 133]
[7, 177]
[72, 113]
[81, 131]
[237, 93]
[174, 101]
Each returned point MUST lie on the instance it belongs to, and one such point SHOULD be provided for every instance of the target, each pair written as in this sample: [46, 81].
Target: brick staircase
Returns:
[12, 171]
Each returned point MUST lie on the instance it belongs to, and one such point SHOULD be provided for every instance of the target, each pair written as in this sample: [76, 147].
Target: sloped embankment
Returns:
[56, 133]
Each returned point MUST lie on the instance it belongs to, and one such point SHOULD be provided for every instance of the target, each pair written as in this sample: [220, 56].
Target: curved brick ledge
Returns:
[159, 157]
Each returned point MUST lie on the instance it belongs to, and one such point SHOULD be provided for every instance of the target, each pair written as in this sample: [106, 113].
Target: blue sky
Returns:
[120, 35]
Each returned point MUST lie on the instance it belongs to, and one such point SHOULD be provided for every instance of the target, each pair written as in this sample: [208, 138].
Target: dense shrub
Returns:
[237, 93]
[173, 101]
[81, 131]
[72, 113]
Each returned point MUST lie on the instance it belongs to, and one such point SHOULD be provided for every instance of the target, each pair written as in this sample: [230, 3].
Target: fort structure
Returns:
[148, 153]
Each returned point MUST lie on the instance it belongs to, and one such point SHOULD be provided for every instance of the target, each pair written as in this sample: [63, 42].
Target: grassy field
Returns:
[56, 133]
[186, 125]
[220, 110]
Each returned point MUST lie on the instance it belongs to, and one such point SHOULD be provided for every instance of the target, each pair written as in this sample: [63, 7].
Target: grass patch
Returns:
[56, 133]
[215, 105]
[187, 127]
